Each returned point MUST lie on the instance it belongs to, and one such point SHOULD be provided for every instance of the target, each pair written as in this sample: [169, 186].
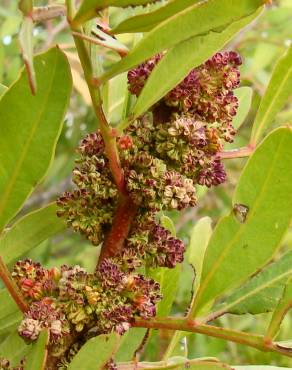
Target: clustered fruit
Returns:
[164, 154]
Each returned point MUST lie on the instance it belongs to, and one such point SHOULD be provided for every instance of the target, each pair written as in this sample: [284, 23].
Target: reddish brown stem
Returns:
[12, 287]
[123, 218]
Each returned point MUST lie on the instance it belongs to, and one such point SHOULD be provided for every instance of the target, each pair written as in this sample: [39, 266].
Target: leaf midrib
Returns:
[241, 227]
[22, 157]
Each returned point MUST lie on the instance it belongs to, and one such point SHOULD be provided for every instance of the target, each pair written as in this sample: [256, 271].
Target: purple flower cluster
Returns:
[137, 77]
[154, 244]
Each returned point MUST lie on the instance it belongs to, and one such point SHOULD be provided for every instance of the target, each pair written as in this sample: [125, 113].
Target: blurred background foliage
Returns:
[260, 45]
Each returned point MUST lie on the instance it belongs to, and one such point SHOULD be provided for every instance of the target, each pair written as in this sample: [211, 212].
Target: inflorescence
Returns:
[164, 155]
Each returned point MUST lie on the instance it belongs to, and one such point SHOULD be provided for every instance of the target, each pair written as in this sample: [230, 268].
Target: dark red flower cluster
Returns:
[154, 244]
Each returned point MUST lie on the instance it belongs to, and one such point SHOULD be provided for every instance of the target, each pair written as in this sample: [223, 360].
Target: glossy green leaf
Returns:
[168, 280]
[261, 367]
[14, 348]
[284, 305]
[244, 96]
[10, 322]
[199, 240]
[89, 8]
[2, 89]
[7, 304]
[36, 358]
[196, 20]
[130, 342]
[167, 71]
[95, 353]
[26, 44]
[168, 224]
[29, 231]
[238, 248]
[25, 6]
[276, 95]
[262, 292]
[114, 96]
[145, 22]
[29, 132]
[179, 362]
[208, 365]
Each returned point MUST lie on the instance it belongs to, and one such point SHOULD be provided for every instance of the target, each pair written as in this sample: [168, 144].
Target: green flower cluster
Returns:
[89, 209]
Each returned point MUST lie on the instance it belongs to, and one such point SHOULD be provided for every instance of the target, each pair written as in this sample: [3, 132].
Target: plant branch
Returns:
[237, 153]
[12, 287]
[45, 13]
[126, 210]
[248, 339]
[107, 132]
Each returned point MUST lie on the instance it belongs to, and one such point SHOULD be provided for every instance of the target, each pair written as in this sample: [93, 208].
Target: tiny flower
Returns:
[29, 329]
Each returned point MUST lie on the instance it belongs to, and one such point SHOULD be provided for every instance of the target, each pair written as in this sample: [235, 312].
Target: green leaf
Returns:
[208, 365]
[14, 348]
[167, 71]
[2, 89]
[114, 98]
[262, 292]
[95, 353]
[168, 224]
[26, 44]
[276, 95]
[258, 367]
[10, 322]
[239, 248]
[36, 358]
[29, 231]
[244, 96]
[7, 304]
[197, 20]
[130, 342]
[30, 129]
[199, 240]
[89, 8]
[284, 305]
[179, 362]
[145, 22]
[25, 6]
[10, 314]
[168, 280]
